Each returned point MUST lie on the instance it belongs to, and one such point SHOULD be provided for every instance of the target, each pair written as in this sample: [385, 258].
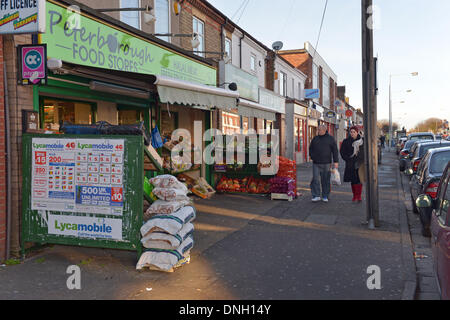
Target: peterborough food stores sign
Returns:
[77, 38]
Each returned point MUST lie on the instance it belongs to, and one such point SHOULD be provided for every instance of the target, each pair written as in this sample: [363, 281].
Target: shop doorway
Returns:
[55, 111]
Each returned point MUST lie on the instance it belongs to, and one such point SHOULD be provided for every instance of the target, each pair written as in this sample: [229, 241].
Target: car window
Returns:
[427, 147]
[426, 137]
[444, 200]
[422, 167]
[439, 161]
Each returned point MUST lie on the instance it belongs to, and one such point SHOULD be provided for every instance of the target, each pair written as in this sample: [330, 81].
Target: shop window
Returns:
[54, 112]
[245, 125]
[130, 116]
[269, 126]
[298, 135]
[131, 18]
[231, 123]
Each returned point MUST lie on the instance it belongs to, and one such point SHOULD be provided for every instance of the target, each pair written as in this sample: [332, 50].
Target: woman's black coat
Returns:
[350, 174]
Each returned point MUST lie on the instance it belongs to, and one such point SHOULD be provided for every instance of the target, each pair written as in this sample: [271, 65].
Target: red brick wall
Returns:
[303, 62]
[2, 160]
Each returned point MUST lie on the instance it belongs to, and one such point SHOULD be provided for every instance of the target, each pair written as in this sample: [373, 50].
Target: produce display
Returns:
[286, 180]
[283, 185]
[245, 185]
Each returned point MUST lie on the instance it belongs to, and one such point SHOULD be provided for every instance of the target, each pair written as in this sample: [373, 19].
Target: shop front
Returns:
[106, 73]
[297, 146]
[258, 114]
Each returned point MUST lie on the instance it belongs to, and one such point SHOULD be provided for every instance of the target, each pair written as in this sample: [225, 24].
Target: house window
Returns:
[300, 91]
[293, 88]
[198, 27]
[315, 84]
[283, 84]
[253, 63]
[162, 24]
[228, 49]
[326, 90]
[131, 18]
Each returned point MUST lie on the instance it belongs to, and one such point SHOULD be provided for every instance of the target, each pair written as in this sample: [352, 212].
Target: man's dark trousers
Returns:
[321, 176]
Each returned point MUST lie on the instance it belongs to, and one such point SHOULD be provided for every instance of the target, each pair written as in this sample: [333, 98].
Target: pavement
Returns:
[252, 248]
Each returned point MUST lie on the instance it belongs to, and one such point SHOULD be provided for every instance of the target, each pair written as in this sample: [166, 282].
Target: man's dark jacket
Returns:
[322, 149]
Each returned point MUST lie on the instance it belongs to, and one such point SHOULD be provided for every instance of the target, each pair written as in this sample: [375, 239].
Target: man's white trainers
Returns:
[316, 199]
[325, 200]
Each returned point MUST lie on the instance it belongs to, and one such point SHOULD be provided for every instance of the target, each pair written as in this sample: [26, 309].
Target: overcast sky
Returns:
[411, 36]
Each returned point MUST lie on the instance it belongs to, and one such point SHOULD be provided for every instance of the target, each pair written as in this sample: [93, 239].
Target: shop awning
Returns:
[249, 108]
[181, 92]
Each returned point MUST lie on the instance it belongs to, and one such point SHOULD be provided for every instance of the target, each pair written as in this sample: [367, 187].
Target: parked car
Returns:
[400, 144]
[404, 154]
[421, 136]
[426, 182]
[440, 231]
[420, 148]
[438, 137]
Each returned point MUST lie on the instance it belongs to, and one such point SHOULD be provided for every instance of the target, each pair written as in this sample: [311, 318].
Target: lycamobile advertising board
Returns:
[78, 39]
[84, 191]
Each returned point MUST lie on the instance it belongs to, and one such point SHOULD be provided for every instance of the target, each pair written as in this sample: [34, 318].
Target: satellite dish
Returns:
[277, 46]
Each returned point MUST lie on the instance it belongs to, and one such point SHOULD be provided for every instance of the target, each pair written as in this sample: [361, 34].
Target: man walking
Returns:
[323, 151]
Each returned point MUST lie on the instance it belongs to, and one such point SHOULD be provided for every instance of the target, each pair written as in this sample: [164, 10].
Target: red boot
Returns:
[358, 189]
[354, 192]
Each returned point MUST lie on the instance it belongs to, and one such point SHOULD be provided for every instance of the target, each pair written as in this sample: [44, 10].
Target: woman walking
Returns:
[352, 151]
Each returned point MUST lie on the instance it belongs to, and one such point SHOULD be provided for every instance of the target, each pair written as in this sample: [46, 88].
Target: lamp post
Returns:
[413, 74]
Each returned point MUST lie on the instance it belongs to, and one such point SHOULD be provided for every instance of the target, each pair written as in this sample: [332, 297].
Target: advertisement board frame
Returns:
[35, 226]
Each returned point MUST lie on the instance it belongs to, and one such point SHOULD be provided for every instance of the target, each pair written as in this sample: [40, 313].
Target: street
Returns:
[250, 248]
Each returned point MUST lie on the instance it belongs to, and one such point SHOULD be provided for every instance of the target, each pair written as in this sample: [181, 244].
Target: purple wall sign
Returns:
[33, 63]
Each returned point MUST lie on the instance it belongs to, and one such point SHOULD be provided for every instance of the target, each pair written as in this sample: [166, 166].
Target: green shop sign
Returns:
[78, 39]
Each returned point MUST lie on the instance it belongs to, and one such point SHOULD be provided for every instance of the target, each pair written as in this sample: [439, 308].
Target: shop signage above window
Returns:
[79, 39]
[301, 111]
[272, 101]
[32, 64]
[247, 84]
[22, 16]
[330, 114]
[312, 93]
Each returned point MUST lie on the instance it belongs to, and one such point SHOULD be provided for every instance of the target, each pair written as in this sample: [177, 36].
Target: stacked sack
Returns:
[167, 234]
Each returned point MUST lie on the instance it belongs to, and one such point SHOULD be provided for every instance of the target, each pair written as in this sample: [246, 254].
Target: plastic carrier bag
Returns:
[156, 138]
[171, 224]
[335, 177]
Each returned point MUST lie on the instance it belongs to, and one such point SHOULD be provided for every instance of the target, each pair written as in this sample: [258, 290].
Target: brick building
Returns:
[3, 164]
[319, 76]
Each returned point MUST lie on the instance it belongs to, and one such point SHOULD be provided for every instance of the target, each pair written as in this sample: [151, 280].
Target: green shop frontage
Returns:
[102, 71]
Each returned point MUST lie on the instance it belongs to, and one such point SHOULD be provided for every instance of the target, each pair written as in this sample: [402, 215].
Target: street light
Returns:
[413, 74]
